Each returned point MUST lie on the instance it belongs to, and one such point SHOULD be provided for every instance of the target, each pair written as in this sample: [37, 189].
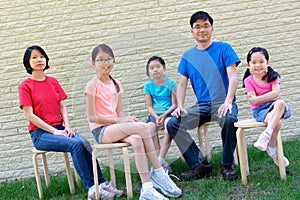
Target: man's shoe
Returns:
[228, 172]
[202, 170]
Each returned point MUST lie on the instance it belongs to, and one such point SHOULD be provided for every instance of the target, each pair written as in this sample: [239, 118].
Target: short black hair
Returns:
[27, 54]
[201, 15]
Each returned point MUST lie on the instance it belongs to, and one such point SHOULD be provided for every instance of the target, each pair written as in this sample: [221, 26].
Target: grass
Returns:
[263, 182]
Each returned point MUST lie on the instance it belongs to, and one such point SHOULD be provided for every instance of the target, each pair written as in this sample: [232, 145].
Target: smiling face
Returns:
[202, 31]
[258, 64]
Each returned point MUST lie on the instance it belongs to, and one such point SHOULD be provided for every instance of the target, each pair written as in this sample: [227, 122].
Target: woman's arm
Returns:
[30, 116]
[65, 117]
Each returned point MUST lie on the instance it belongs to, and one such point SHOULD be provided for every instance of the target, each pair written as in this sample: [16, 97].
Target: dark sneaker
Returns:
[228, 172]
[202, 170]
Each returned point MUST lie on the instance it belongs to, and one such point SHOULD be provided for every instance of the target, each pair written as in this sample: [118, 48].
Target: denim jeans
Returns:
[79, 148]
[199, 114]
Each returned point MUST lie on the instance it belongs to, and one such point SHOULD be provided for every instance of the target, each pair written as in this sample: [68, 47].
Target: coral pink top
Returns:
[106, 98]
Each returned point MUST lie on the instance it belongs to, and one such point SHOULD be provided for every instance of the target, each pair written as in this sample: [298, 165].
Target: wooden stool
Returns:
[203, 134]
[242, 147]
[46, 171]
[109, 148]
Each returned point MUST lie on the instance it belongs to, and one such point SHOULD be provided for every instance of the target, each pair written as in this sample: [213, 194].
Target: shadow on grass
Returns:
[263, 182]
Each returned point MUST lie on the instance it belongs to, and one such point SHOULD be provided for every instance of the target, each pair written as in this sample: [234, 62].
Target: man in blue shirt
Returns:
[211, 68]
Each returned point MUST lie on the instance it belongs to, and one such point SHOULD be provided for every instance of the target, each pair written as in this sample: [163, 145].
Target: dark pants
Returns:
[197, 115]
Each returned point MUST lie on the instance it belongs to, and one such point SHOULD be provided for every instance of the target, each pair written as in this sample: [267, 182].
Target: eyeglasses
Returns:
[199, 27]
[102, 61]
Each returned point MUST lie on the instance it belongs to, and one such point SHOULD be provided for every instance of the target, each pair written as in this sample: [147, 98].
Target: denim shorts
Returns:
[98, 133]
[152, 119]
[260, 112]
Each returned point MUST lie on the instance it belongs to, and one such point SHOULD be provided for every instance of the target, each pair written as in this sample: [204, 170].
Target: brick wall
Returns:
[136, 30]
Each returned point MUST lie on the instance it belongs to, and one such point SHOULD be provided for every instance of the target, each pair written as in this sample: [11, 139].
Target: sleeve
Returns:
[173, 85]
[248, 85]
[231, 56]
[90, 88]
[277, 81]
[147, 89]
[24, 95]
[182, 67]
[62, 93]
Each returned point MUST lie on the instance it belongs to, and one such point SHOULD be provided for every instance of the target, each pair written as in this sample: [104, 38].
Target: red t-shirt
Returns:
[44, 97]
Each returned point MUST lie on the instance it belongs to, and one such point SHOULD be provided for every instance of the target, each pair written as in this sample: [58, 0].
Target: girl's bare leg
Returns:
[273, 140]
[153, 129]
[166, 142]
[273, 117]
[140, 157]
[117, 132]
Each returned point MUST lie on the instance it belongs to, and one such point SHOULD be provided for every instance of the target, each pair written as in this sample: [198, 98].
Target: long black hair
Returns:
[271, 74]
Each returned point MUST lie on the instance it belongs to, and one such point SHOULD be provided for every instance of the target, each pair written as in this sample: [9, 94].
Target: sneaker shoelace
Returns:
[104, 193]
[110, 188]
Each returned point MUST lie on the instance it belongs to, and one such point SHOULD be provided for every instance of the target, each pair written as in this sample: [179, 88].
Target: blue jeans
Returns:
[79, 148]
[199, 114]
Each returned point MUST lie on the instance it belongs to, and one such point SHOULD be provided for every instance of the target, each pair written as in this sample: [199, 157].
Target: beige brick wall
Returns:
[136, 30]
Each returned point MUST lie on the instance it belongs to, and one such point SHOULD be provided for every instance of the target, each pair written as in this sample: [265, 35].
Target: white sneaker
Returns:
[263, 141]
[103, 194]
[110, 188]
[165, 185]
[151, 194]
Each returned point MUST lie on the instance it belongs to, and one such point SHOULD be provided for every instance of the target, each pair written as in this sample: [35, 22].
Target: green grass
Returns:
[263, 182]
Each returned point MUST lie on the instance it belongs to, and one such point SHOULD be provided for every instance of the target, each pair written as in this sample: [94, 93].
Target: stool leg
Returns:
[240, 135]
[69, 172]
[37, 175]
[111, 167]
[207, 145]
[235, 156]
[127, 172]
[46, 170]
[200, 140]
[96, 181]
[280, 157]
[77, 178]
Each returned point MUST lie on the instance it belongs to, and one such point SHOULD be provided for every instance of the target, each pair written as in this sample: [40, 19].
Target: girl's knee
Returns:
[136, 142]
[279, 104]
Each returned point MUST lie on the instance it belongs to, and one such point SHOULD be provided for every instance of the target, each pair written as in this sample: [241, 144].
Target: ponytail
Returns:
[271, 74]
[115, 83]
[246, 74]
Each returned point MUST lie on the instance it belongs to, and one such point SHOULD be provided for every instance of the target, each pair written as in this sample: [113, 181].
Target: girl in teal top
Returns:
[161, 101]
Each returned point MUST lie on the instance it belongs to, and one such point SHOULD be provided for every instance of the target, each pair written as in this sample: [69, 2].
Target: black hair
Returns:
[271, 74]
[159, 59]
[105, 48]
[27, 54]
[201, 15]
